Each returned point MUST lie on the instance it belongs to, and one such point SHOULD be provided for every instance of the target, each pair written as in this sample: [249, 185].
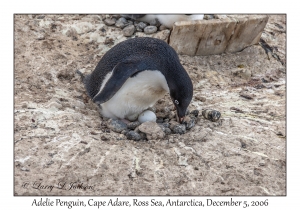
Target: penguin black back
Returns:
[154, 54]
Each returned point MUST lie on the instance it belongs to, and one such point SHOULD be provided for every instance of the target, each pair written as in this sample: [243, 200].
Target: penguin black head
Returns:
[181, 95]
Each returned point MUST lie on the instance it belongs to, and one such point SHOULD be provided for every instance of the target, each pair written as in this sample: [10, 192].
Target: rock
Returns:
[190, 122]
[211, 115]
[195, 113]
[121, 23]
[152, 130]
[129, 30]
[191, 38]
[150, 29]
[155, 23]
[133, 125]
[140, 26]
[168, 131]
[109, 21]
[173, 123]
[132, 135]
[160, 120]
[166, 125]
[165, 128]
[180, 129]
[116, 125]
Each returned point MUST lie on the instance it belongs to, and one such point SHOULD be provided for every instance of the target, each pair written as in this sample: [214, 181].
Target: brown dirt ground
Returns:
[59, 137]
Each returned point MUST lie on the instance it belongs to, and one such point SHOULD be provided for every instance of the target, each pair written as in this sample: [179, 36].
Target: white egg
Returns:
[147, 116]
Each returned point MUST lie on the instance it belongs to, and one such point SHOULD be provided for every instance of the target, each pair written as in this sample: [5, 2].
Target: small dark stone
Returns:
[166, 125]
[133, 125]
[160, 120]
[150, 29]
[180, 129]
[116, 125]
[243, 145]
[132, 135]
[155, 23]
[190, 122]
[211, 115]
[168, 131]
[143, 136]
[195, 113]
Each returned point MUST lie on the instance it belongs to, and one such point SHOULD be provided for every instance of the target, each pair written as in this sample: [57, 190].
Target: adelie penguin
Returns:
[133, 75]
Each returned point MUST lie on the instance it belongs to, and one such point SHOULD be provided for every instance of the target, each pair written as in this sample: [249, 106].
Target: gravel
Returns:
[179, 129]
[150, 29]
[129, 30]
[121, 23]
[211, 115]
[116, 125]
[132, 135]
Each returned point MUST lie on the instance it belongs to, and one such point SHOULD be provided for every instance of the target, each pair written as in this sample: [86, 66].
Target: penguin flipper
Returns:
[121, 72]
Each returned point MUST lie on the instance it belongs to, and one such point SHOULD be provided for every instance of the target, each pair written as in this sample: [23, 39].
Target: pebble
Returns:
[165, 128]
[152, 130]
[195, 113]
[121, 23]
[160, 120]
[168, 131]
[109, 21]
[140, 26]
[155, 23]
[150, 29]
[133, 125]
[211, 115]
[190, 122]
[180, 129]
[116, 125]
[129, 30]
[132, 135]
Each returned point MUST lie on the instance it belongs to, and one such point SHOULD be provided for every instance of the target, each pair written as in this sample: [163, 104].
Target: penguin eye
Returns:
[176, 102]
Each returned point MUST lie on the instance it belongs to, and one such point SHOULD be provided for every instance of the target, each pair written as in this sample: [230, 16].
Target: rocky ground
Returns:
[60, 140]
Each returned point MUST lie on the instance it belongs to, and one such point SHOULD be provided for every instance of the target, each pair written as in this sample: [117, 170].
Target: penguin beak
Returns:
[180, 117]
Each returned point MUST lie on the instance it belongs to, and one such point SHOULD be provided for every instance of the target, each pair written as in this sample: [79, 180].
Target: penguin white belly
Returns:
[137, 94]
